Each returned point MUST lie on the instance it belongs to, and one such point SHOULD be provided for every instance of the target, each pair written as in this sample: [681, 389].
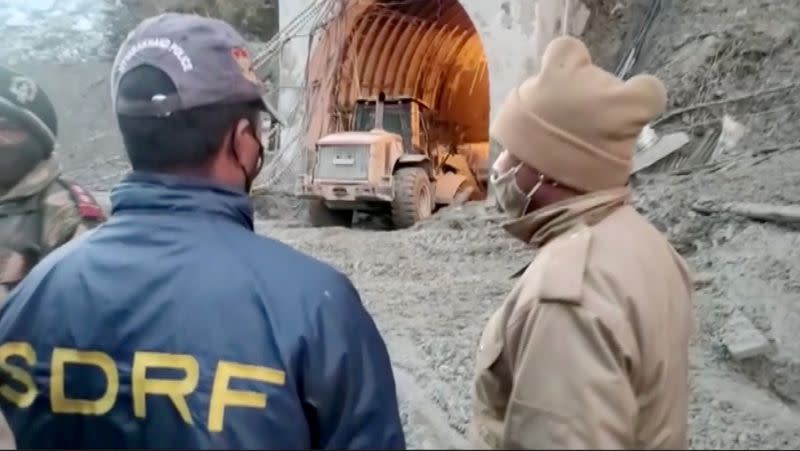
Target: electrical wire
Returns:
[314, 17]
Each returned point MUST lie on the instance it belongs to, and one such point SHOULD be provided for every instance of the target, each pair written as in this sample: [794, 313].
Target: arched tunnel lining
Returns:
[428, 50]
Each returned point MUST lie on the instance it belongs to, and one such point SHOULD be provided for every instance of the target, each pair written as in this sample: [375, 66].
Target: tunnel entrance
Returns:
[426, 52]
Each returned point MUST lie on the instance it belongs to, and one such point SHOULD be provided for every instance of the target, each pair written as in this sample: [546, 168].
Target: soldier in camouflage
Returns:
[39, 210]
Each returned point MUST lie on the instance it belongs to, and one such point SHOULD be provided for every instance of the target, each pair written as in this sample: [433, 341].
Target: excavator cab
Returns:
[402, 117]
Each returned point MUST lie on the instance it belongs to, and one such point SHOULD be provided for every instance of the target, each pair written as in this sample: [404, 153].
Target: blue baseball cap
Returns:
[206, 59]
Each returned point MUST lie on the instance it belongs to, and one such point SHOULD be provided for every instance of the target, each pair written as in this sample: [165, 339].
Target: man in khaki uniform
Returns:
[39, 211]
[590, 349]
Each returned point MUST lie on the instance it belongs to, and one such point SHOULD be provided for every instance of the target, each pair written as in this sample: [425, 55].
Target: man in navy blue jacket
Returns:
[174, 325]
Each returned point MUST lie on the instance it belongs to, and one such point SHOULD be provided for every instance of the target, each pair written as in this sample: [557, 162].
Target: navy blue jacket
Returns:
[174, 325]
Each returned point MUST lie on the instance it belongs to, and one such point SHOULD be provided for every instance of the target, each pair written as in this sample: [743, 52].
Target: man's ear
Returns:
[241, 135]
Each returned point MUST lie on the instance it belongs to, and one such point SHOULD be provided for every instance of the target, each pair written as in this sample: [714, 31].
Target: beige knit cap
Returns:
[576, 123]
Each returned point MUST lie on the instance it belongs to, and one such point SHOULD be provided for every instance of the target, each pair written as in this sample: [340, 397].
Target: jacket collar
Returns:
[145, 191]
[543, 225]
[35, 181]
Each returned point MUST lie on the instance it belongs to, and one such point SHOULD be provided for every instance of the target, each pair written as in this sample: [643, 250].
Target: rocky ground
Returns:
[432, 288]
[735, 58]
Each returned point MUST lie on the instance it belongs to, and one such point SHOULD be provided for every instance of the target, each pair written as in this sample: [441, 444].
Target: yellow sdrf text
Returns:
[222, 396]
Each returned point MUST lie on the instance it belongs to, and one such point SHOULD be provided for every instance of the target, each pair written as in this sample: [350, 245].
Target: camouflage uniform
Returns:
[40, 211]
[39, 214]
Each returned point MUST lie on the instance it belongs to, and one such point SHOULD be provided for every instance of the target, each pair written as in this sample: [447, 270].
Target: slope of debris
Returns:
[256, 19]
[57, 31]
[735, 211]
[68, 46]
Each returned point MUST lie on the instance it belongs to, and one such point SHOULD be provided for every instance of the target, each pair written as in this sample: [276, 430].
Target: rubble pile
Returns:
[57, 31]
[256, 19]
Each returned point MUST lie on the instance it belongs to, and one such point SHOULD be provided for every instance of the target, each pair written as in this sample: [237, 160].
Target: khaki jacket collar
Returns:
[539, 227]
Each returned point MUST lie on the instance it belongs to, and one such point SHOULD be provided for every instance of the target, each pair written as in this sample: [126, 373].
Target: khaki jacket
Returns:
[590, 349]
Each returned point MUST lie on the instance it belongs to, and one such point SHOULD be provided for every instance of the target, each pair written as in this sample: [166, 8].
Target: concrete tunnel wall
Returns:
[513, 35]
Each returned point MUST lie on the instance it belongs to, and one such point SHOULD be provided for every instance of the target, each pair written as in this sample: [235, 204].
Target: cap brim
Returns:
[272, 111]
[28, 118]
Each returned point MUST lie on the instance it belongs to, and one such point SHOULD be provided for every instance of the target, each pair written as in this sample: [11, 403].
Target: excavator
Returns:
[394, 160]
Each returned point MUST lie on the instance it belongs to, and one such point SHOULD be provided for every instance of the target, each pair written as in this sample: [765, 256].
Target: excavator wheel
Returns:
[413, 197]
[322, 216]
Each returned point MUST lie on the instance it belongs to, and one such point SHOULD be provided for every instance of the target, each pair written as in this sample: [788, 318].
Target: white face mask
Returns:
[510, 198]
